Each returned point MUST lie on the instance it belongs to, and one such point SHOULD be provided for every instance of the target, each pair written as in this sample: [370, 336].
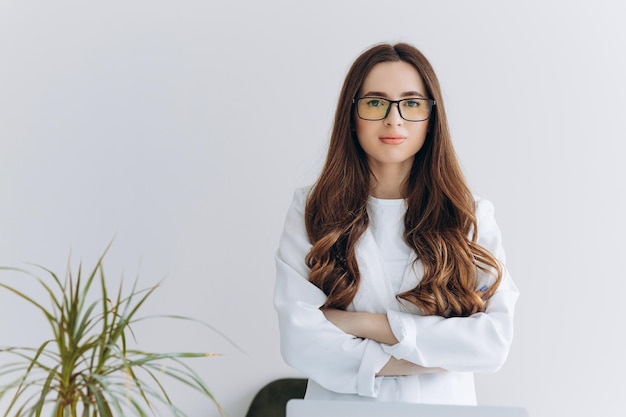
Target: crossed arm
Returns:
[376, 327]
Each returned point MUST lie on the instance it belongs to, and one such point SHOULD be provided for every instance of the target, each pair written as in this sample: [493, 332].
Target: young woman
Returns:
[390, 274]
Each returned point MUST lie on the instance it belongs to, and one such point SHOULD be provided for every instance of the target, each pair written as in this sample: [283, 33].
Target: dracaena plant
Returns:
[86, 366]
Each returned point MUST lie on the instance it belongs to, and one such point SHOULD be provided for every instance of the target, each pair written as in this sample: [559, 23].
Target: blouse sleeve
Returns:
[309, 342]
[478, 343]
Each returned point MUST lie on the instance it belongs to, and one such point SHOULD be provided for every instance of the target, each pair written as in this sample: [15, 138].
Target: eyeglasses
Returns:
[410, 109]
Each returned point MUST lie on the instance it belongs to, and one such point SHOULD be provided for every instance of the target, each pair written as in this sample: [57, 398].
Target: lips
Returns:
[392, 139]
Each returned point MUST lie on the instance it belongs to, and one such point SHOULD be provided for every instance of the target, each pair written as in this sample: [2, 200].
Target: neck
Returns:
[388, 181]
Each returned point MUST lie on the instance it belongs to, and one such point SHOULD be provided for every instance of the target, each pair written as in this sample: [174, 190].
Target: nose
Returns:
[393, 116]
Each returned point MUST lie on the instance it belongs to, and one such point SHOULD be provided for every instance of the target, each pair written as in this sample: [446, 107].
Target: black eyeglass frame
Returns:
[431, 103]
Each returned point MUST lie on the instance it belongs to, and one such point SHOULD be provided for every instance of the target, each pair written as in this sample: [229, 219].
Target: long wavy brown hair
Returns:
[440, 222]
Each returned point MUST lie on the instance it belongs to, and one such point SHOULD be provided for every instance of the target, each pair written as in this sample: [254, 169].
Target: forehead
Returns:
[393, 78]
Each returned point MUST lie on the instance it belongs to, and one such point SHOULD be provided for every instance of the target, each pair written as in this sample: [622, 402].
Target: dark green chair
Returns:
[271, 400]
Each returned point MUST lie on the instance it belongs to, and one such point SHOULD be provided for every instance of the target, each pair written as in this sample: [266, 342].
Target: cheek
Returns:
[418, 134]
[362, 129]
[420, 130]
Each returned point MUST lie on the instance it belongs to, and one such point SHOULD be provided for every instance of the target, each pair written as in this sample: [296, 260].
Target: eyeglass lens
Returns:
[413, 109]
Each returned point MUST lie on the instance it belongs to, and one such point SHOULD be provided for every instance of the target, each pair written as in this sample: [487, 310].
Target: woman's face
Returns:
[391, 143]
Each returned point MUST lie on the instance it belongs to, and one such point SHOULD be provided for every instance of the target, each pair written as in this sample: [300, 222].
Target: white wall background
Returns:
[181, 129]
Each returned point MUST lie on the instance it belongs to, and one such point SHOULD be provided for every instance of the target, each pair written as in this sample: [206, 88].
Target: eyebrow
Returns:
[405, 94]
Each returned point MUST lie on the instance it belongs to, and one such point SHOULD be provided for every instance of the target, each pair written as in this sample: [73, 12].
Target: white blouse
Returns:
[341, 366]
[387, 226]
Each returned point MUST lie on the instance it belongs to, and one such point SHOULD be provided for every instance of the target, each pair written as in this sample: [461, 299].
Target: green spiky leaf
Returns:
[85, 367]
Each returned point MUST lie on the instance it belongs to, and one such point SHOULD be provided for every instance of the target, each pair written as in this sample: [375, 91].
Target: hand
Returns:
[396, 367]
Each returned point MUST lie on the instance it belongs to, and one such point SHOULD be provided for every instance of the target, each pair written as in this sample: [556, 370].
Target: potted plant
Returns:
[86, 366]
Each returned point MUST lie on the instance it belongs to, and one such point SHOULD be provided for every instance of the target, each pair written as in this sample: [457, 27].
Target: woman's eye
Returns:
[374, 103]
[412, 103]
